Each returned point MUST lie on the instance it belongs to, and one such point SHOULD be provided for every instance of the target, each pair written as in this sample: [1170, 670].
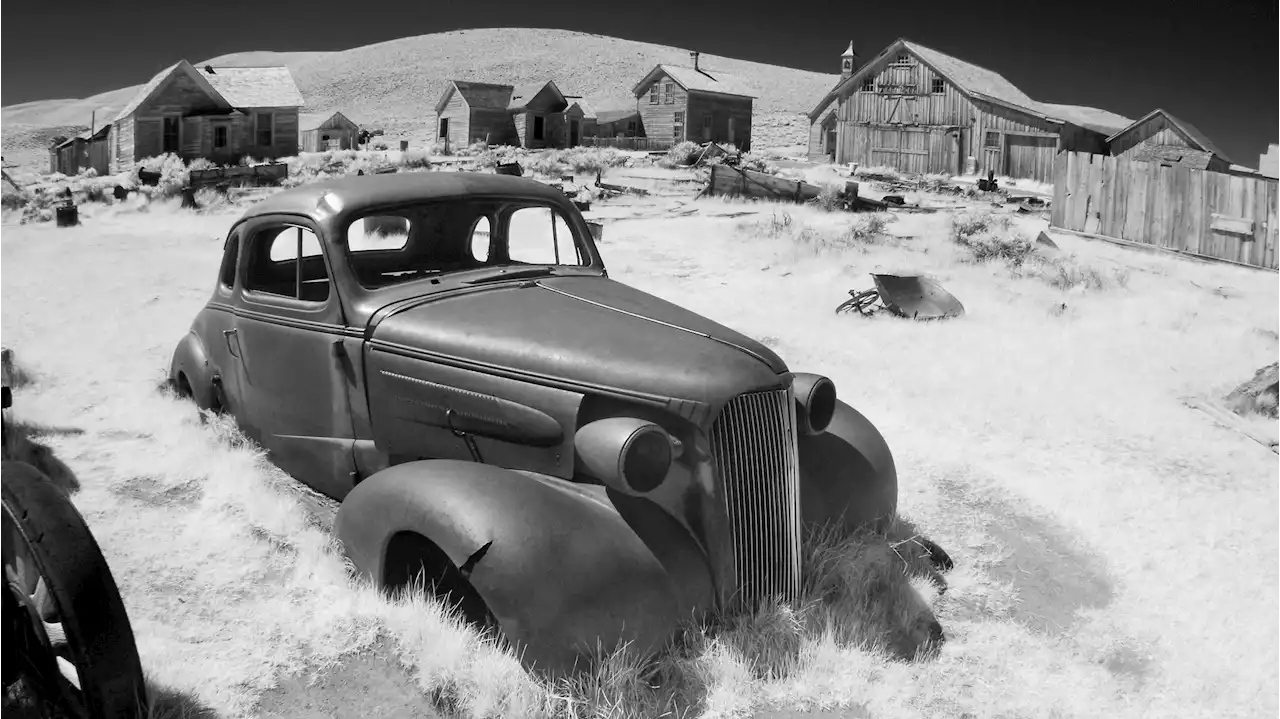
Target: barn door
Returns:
[991, 154]
[1031, 156]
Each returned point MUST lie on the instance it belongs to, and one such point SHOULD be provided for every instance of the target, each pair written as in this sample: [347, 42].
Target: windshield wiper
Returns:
[513, 275]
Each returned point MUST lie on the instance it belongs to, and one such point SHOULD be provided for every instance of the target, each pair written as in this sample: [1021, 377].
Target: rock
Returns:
[1259, 395]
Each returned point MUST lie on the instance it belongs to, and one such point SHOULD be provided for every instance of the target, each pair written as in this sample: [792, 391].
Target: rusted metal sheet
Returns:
[910, 296]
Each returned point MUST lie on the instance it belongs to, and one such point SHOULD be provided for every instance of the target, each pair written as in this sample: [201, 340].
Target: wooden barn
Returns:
[82, 152]
[1160, 137]
[693, 103]
[219, 113]
[318, 132]
[919, 110]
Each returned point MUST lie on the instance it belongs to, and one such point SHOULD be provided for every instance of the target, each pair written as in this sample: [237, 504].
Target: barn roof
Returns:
[254, 86]
[1188, 130]
[700, 80]
[477, 95]
[313, 120]
[522, 95]
[983, 84]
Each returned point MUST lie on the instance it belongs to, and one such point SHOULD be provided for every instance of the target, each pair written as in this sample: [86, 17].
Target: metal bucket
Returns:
[67, 215]
[916, 297]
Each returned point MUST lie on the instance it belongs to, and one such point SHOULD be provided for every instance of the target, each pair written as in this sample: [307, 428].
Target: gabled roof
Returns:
[1090, 118]
[1186, 129]
[700, 80]
[616, 113]
[588, 111]
[149, 89]
[254, 86]
[522, 95]
[477, 95]
[313, 120]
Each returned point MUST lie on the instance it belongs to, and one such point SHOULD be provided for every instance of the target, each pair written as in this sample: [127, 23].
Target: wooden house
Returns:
[580, 118]
[219, 113]
[1161, 137]
[318, 132]
[470, 112]
[618, 121]
[695, 104]
[919, 110]
[538, 112]
[82, 152]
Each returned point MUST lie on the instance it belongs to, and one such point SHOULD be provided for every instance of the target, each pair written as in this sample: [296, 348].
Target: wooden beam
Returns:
[1233, 225]
[1161, 250]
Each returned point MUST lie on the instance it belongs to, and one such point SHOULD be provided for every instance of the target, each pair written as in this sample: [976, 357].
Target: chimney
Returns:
[693, 55]
[209, 69]
[848, 62]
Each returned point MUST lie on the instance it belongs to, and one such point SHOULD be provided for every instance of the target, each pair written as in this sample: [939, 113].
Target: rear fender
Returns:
[560, 567]
[190, 361]
[847, 474]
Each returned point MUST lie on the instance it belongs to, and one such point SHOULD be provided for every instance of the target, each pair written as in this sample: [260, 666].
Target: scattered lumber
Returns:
[618, 189]
[1229, 420]
[265, 174]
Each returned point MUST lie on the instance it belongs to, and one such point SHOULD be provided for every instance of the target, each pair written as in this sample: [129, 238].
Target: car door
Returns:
[288, 337]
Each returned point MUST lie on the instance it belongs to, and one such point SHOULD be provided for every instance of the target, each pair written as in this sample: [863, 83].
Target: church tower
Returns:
[848, 62]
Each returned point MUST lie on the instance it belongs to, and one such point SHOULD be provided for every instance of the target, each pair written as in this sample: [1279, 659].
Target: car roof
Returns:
[354, 193]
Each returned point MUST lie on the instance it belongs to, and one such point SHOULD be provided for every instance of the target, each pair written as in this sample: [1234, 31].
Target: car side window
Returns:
[287, 261]
[541, 236]
[230, 255]
[480, 236]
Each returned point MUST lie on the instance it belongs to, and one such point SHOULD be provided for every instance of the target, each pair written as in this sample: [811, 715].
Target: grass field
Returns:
[1114, 548]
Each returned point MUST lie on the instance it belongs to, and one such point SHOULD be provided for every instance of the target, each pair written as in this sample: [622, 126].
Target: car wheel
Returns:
[65, 626]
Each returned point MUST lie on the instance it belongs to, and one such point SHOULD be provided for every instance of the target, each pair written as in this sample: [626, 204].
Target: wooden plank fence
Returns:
[1195, 212]
[651, 144]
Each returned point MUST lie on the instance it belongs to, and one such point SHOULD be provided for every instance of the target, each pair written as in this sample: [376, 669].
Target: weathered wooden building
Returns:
[584, 115]
[222, 114]
[318, 132]
[1269, 162]
[535, 115]
[1162, 138]
[918, 110]
[695, 104]
[618, 121]
[538, 111]
[470, 112]
[84, 151]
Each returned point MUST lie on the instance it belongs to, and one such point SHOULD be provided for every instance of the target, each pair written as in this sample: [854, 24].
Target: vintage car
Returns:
[571, 461]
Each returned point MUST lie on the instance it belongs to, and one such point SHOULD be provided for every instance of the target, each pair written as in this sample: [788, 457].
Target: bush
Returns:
[758, 163]
[865, 229]
[682, 155]
[415, 160]
[173, 175]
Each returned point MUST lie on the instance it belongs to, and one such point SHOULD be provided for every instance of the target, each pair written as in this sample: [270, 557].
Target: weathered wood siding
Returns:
[1199, 212]
[122, 142]
[1157, 140]
[821, 148]
[284, 133]
[718, 118]
[493, 126]
[179, 94]
[99, 149]
[336, 130]
[658, 119]
[458, 113]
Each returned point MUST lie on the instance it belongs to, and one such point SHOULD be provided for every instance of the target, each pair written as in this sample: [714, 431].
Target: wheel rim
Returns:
[34, 629]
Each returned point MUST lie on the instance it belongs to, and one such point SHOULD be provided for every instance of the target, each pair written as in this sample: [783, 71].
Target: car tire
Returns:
[54, 569]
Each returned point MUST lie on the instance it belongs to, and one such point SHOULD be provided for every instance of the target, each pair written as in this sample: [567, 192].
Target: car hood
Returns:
[588, 331]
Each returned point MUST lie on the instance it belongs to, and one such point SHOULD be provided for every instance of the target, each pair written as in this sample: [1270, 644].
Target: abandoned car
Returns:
[571, 461]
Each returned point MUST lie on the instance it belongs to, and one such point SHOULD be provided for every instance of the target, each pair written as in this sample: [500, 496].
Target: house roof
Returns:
[228, 86]
[255, 86]
[614, 115]
[700, 80]
[313, 120]
[1188, 130]
[980, 83]
[477, 95]
[588, 110]
[522, 95]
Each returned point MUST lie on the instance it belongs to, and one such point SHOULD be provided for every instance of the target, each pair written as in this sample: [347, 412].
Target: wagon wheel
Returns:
[859, 301]
[65, 627]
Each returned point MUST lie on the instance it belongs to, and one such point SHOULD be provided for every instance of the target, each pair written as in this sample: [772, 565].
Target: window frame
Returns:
[937, 85]
[539, 127]
[868, 84]
[225, 130]
[271, 299]
[165, 122]
[508, 211]
[258, 129]
[669, 92]
[653, 94]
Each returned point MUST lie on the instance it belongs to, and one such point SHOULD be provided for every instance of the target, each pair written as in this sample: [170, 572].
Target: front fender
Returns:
[192, 362]
[562, 571]
[847, 474]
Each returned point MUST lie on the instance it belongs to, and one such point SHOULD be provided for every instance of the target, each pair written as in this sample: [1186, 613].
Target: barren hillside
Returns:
[395, 84]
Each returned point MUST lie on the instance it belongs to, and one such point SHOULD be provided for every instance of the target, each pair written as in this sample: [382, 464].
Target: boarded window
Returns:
[264, 135]
[992, 139]
[869, 84]
[219, 137]
[653, 94]
[670, 91]
[169, 134]
[938, 86]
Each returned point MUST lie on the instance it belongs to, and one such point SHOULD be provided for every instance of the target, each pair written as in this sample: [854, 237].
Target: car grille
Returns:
[753, 443]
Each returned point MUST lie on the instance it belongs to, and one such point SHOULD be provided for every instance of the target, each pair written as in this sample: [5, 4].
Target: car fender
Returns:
[192, 361]
[847, 474]
[554, 561]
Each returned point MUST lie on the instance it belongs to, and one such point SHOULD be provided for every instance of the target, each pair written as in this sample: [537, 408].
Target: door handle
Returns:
[232, 347]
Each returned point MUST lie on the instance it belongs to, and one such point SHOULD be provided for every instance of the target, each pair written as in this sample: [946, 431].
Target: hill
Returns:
[395, 84]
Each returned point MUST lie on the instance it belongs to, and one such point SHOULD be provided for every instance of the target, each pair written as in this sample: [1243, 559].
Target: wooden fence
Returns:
[629, 143]
[1196, 212]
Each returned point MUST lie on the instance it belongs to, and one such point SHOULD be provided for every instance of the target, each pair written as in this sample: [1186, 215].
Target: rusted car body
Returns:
[573, 460]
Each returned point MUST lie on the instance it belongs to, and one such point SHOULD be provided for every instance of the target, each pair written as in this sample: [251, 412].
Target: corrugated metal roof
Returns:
[702, 80]
[484, 95]
[255, 86]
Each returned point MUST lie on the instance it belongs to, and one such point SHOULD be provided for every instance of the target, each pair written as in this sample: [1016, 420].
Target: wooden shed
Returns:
[219, 113]
[918, 110]
[318, 132]
[618, 121]
[1162, 138]
[681, 104]
[84, 151]
[469, 112]
[580, 120]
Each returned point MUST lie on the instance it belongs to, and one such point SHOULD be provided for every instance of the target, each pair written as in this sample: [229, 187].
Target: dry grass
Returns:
[1102, 533]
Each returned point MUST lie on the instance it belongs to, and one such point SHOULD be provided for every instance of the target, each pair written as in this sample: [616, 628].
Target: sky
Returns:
[1212, 64]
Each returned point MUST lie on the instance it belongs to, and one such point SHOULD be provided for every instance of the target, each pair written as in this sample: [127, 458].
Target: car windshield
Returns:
[403, 244]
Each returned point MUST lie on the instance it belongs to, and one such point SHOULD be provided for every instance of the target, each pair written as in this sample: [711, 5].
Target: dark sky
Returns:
[1213, 64]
